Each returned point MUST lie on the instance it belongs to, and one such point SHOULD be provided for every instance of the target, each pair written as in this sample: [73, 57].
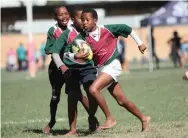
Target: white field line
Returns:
[38, 121]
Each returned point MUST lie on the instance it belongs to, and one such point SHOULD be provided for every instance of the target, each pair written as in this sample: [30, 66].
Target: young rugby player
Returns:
[103, 40]
[103, 43]
[61, 15]
[74, 73]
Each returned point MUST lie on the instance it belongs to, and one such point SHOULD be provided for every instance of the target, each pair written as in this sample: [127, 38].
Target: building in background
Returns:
[109, 11]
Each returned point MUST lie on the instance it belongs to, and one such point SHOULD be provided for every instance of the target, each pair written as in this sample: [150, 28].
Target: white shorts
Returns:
[113, 69]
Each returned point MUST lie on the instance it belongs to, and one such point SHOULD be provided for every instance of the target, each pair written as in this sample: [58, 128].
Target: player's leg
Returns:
[84, 101]
[87, 75]
[95, 89]
[74, 95]
[56, 81]
[93, 105]
[75, 85]
[73, 98]
[72, 112]
[117, 92]
[107, 74]
[114, 70]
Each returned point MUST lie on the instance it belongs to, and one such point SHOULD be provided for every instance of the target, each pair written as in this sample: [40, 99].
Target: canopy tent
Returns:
[172, 13]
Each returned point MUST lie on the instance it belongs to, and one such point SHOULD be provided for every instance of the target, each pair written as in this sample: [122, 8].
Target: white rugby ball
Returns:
[78, 44]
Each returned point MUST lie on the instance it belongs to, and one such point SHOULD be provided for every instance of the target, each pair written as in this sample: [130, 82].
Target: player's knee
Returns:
[93, 90]
[55, 96]
[54, 100]
[122, 101]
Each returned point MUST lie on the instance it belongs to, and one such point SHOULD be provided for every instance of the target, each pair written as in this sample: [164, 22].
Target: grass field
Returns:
[162, 94]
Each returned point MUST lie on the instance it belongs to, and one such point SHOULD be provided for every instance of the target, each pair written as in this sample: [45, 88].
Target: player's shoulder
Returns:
[51, 29]
[101, 26]
[70, 27]
[105, 26]
[110, 25]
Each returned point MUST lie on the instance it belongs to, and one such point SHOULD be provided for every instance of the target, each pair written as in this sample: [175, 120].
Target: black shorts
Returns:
[87, 73]
[55, 76]
[57, 80]
[73, 82]
[82, 75]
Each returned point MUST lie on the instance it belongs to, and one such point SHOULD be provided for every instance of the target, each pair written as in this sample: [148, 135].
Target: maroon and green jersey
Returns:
[64, 44]
[55, 32]
[103, 42]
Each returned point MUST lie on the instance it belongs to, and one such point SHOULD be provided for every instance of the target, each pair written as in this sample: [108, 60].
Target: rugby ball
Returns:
[79, 44]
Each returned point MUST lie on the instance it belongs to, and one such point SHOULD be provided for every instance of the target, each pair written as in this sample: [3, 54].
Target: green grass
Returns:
[162, 94]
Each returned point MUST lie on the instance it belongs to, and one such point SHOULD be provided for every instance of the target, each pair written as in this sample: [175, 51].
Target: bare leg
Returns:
[93, 105]
[85, 102]
[117, 92]
[72, 113]
[102, 81]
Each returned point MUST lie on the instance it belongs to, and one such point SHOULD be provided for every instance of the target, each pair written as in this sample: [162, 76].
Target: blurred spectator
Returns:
[37, 56]
[31, 60]
[121, 50]
[153, 49]
[184, 52]
[21, 55]
[11, 60]
[175, 43]
[43, 54]
[121, 47]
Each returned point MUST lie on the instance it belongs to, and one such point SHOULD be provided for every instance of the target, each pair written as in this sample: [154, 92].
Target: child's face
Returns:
[77, 20]
[62, 16]
[88, 21]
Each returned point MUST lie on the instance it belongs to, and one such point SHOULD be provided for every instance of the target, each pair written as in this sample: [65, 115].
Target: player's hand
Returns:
[142, 48]
[64, 68]
[67, 75]
[81, 54]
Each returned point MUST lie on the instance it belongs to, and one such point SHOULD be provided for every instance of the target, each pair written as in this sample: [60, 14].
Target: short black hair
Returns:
[56, 7]
[92, 11]
[74, 10]
[175, 33]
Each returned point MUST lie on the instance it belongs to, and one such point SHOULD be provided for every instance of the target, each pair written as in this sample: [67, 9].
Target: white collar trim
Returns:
[95, 34]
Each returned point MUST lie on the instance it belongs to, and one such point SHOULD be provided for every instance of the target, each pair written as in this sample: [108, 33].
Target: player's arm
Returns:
[74, 56]
[124, 30]
[66, 71]
[59, 63]
[50, 40]
[59, 44]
